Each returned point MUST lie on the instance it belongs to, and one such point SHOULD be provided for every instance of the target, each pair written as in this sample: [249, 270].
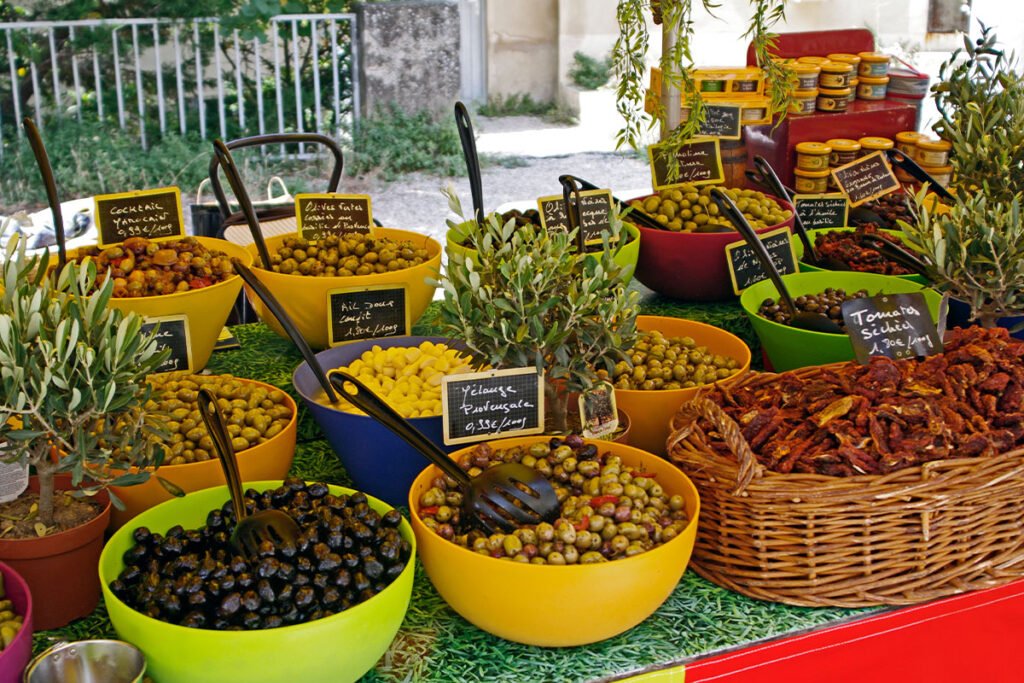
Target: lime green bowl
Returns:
[624, 255]
[806, 267]
[790, 347]
[341, 647]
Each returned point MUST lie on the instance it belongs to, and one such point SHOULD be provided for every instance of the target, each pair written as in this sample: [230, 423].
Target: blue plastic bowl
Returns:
[380, 463]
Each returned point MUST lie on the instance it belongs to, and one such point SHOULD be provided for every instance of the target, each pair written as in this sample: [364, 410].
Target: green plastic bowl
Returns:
[625, 255]
[341, 647]
[805, 267]
[788, 347]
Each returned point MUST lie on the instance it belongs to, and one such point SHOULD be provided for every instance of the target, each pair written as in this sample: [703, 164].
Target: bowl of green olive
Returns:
[260, 418]
[686, 259]
[323, 611]
[670, 361]
[190, 276]
[821, 292]
[304, 272]
[625, 530]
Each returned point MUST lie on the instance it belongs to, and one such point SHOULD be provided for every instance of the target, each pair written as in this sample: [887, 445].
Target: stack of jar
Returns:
[831, 83]
[815, 160]
[930, 154]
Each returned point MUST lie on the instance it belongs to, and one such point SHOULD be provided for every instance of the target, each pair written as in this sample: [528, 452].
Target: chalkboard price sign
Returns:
[495, 403]
[553, 215]
[721, 121]
[700, 163]
[367, 313]
[866, 178]
[320, 215]
[595, 210]
[146, 213]
[819, 211]
[172, 334]
[891, 325]
[745, 268]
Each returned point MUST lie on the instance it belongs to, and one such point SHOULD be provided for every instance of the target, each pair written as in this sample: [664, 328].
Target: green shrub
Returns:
[589, 73]
[393, 142]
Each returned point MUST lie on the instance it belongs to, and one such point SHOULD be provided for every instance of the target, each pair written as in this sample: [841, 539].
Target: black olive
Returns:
[194, 619]
[171, 605]
[295, 483]
[252, 621]
[360, 581]
[251, 600]
[357, 498]
[286, 571]
[320, 580]
[303, 564]
[272, 621]
[244, 580]
[265, 590]
[281, 496]
[373, 567]
[394, 571]
[350, 560]
[342, 578]
[301, 580]
[266, 549]
[227, 582]
[198, 599]
[335, 540]
[230, 604]
[365, 551]
[366, 594]
[391, 518]
[331, 596]
[285, 593]
[268, 567]
[292, 615]
[141, 535]
[134, 554]
[318, 490]
[206, 567]
[304, 597]
[130, 575]
[176, 531]
[213, 588]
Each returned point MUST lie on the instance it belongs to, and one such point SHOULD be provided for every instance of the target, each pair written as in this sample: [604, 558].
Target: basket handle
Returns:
[285, 194]
[700, 407]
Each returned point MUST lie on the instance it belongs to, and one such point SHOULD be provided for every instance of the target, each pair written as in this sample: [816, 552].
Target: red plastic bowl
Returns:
[16, 656]
[691, 265]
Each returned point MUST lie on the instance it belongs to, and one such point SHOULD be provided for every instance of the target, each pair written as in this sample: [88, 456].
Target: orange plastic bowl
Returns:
[652, 411]
[690, 265]
[304, 298]
[269, 460]
[559, 606]
[207, 308]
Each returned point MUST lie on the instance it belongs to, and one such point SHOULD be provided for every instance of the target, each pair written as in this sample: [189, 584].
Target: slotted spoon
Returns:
[490, 498]
[263, 525]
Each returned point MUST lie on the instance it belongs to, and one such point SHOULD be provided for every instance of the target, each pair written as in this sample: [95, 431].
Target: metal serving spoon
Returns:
[490, 498]
[250, 530]
[797, 318]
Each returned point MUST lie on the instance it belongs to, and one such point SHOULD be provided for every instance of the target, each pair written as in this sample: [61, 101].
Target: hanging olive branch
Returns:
[677, 16]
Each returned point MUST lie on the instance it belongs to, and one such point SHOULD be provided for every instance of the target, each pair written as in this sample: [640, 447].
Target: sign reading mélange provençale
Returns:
[819, 211]
[145, 213]
[892, 325]
[866, 178]
[745, 268]
[700, 162]
[320, 215]
[172, 334]
[494, 403]
[356, 313]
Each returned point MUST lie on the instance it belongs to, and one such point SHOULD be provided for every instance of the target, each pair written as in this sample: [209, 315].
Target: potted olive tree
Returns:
[976, 246]
[530, 298]
[72, 395]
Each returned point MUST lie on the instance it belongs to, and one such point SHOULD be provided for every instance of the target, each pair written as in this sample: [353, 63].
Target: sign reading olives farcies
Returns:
[745, 268]
[891, 325]
[819, 211]
[356, 313]
[867, 178]
[700, 162]
[495, 403]
[553, 214]
[144, 213]
[320, 215]
[172, 333]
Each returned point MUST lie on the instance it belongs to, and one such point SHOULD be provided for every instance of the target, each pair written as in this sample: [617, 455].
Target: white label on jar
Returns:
[13, 480]
[929, 158]
[872, 92]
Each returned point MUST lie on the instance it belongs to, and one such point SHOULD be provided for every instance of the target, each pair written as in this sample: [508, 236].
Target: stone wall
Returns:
[409, 55]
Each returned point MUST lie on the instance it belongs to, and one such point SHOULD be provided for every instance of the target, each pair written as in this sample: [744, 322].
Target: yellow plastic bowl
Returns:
[559, 606]
[269, 460]
[335, 649]
[652, 411]
[304, 298]
[207, 308]
[624, 255]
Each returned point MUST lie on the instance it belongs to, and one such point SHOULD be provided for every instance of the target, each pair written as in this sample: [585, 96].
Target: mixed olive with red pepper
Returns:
[141, 267]
[608, 510]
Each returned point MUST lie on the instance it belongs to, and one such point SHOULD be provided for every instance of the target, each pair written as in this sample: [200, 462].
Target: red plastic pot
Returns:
[61, 570]
[691, 265]
[15, 657]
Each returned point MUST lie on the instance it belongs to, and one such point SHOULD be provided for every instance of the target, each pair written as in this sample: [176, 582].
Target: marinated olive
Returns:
[828, 303]
[345, 256]
[688, 208]
[210, 586]
[588, 529]
[663, 363]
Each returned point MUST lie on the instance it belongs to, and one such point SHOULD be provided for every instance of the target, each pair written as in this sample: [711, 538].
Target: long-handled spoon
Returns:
[46, 170]
[491, 497]
[235, 180]
[250, 530]
[797, 318]
[465, 127]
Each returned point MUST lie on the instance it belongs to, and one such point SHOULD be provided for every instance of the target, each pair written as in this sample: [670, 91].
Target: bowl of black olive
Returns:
[324, 610]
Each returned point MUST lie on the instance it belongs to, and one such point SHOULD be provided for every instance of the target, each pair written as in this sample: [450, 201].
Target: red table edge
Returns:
[975, 636]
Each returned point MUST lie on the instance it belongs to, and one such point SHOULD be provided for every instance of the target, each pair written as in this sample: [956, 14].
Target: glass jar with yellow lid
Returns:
[933, 152]
[833, 99]
[906, 142]
[810, 182]
[804, 101]
[844, 151]
[810, 59]
[873, 64]
[844, 57]
[872, 88]
[806, 75]
[812, 156]
[870, 145]
[835, 75]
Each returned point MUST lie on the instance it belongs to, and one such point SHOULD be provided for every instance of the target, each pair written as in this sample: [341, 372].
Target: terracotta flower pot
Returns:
[61, 569]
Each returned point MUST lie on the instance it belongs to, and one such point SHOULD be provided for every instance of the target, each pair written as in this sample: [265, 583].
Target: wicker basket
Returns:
[917, 534]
